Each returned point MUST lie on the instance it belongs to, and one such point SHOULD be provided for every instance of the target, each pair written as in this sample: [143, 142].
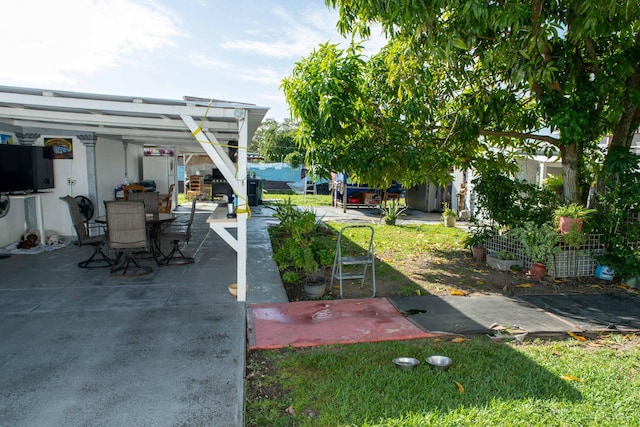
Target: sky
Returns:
[221, 49]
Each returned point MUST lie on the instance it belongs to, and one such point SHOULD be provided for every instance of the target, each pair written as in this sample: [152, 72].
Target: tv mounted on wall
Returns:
[25, 168]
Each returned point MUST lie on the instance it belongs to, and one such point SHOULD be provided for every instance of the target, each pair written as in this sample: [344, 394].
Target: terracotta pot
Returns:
[537, 270]
[566, 222]
[479, 253]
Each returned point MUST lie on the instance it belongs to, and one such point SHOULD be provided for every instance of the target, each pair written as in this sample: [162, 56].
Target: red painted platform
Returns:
[311, 323]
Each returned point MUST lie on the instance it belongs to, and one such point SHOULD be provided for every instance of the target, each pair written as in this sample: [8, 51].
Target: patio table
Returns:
[155, 224]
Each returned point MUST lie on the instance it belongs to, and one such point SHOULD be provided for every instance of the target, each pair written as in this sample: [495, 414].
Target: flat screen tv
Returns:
[25, 168]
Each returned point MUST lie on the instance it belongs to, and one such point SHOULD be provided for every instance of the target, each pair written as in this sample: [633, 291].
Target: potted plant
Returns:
[617, 217]
[314, 280]
[505, 261]
[571, 215]
[476, 240]
[449, 216]
[540, 244]
[553, 183]
[391, 212]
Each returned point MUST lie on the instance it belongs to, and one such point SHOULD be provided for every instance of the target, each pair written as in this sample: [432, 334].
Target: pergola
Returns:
[192, 125]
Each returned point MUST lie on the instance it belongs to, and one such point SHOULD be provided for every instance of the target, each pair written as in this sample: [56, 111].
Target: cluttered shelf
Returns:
[359, 196]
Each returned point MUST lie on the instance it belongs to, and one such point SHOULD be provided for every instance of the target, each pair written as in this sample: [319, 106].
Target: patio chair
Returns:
[133, 188]
[166, 201]
[176, 235]
[151, 201]
[98, 259]
[196, 187]
[128, 237]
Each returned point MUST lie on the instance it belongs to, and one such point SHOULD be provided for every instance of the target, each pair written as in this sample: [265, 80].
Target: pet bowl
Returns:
[233, 289]
[439, 362]
[406, 363]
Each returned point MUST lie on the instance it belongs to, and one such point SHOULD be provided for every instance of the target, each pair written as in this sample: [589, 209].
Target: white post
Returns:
[243, 203]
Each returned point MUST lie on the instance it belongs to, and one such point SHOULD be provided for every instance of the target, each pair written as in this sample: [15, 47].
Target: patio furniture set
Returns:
[134, 230]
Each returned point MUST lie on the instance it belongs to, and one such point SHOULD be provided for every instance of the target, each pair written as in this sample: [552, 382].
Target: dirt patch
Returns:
[444, 273]
[259, 376]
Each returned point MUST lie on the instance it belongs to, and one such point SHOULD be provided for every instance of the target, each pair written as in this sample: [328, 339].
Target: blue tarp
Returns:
[275, 171]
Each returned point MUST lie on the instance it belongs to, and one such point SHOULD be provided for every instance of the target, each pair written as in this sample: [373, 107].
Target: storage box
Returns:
[368, 198]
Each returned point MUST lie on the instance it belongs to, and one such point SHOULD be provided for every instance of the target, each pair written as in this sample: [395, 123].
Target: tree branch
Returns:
[550, 139]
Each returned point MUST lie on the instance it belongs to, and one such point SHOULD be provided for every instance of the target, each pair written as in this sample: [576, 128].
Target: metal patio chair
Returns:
[176, 235]
[98, 259]
[127, 236]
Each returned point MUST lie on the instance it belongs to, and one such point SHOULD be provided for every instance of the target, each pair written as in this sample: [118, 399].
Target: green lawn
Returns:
[563, 383]
[272, 197]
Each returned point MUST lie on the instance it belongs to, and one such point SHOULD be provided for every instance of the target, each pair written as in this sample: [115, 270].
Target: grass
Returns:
[273, 196]
[557, 383]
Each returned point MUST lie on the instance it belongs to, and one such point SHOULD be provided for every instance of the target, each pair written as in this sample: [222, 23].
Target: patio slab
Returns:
[82, 347]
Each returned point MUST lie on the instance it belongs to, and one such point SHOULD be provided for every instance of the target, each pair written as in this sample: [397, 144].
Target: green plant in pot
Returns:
[314, 282]
[573, 214]
[449, 216]
[299, 253]
[392, 212]
[553, 183]
[477, 238]
[618, 204]
[539, 244]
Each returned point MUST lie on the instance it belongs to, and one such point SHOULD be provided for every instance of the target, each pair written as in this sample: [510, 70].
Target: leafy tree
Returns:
[274, 140]
[452, 71]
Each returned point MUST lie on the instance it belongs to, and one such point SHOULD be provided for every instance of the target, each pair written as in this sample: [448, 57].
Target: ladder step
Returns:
[355, 260]
[349, 276]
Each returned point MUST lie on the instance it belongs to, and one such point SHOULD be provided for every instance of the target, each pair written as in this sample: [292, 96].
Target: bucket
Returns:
[604, 272]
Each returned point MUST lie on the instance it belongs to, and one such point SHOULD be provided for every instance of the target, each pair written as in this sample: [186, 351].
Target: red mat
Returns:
[311, 323]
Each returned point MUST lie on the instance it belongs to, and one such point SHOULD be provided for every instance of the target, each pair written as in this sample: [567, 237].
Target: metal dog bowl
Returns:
[439, 362]
[406, 363]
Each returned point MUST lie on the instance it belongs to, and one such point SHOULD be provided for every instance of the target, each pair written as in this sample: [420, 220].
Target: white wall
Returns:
[110, 169]
[110, 174]
[160, 169]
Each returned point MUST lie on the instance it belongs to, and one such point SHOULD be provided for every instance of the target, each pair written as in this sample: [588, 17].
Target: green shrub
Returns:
[512, 203]
[296, 244]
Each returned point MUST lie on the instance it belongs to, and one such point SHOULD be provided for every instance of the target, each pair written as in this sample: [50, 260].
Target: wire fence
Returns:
[569, 262]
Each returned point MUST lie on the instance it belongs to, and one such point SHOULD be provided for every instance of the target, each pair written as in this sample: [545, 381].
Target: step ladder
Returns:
[347, 267]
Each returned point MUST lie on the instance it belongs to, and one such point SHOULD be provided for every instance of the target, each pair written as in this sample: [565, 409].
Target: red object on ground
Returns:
[311, 323]
[537, 270]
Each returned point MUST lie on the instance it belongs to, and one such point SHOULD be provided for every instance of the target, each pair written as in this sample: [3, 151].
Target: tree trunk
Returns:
[630, 118]
[571, 173]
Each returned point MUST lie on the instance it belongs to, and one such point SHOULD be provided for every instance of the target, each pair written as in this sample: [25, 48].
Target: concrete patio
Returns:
[80, 347]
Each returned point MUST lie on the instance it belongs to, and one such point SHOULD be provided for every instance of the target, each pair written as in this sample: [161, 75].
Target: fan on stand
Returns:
[86, 209]
[5, 204]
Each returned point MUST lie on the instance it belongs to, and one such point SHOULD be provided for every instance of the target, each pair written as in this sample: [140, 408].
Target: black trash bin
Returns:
[254, 191]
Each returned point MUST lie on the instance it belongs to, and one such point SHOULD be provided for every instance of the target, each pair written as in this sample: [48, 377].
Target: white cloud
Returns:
[295, 36]
[265, 75]
[290, 36]
[262, 75]
[50, 42]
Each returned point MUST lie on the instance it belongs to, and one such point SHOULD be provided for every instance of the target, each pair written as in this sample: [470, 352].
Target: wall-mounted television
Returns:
[25, 168]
